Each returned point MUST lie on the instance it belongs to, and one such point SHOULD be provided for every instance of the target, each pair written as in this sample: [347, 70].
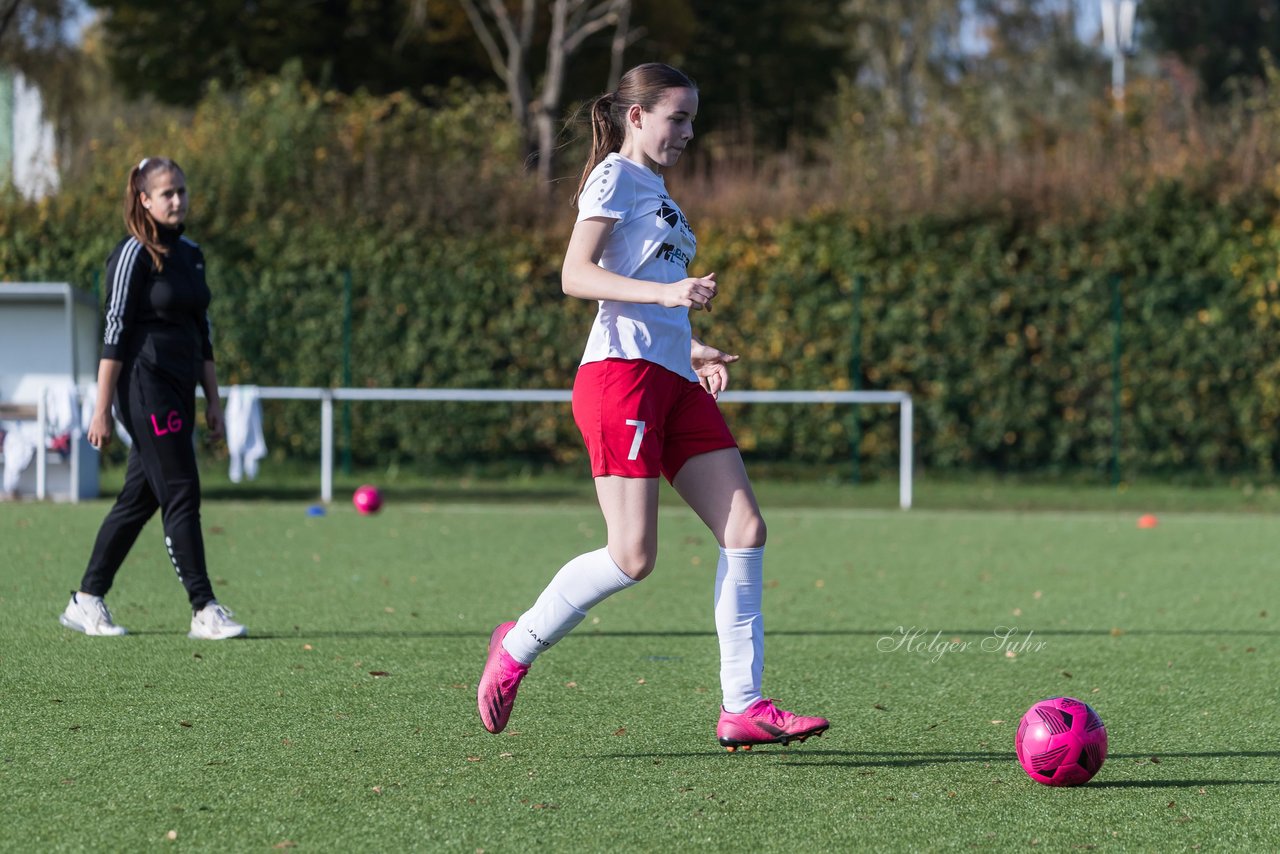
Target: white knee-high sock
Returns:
[580, 584]
[740, 625]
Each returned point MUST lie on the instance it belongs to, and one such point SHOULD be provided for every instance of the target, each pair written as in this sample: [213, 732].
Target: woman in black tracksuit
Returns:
[156, 348]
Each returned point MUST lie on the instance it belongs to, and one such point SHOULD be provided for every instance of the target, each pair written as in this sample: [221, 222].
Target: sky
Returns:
[75, 25]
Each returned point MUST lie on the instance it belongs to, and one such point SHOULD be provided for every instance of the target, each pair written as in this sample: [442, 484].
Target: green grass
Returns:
[290, 740]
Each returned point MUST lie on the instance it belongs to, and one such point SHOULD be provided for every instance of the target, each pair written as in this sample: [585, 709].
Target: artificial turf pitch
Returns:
[347, 720]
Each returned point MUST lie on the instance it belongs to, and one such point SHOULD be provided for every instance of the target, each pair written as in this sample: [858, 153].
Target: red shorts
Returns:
[641, 420]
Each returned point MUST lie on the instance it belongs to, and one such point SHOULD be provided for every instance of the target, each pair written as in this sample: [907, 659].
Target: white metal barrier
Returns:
[327, 396]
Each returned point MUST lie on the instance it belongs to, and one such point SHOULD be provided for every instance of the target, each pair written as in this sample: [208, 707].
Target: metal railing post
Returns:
[855, 378]
[326, 446]
[42, 451]
[906, 453]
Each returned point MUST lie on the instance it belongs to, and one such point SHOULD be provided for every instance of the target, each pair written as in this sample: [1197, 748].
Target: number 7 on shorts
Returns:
[635, 443]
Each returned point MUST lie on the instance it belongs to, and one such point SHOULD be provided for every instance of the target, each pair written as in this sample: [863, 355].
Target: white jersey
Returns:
[652, 241]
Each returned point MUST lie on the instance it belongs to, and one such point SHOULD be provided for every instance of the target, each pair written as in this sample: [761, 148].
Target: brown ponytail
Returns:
[136, 217]
[644, 85]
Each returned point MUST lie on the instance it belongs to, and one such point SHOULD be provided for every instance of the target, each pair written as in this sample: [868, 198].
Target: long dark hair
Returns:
[136, 217]
[644, 85]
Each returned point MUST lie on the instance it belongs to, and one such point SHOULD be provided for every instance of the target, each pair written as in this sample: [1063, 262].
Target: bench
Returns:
[64, 478]
[19, 411]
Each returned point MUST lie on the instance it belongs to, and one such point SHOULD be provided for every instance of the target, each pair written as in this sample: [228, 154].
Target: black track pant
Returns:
[160, 414]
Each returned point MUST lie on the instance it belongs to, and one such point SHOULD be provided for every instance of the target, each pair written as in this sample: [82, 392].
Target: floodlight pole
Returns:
[1117, 36]
[1117, 80]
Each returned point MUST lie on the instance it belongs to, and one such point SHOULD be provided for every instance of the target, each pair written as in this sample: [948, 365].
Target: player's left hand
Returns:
[711, 366]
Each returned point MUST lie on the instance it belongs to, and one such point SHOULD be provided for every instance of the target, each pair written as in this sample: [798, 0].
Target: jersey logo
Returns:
[669, 214]
[673, 254]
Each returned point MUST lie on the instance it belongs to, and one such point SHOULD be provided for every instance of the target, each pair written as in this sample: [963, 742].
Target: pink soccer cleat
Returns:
[496, 693]
[765, 723]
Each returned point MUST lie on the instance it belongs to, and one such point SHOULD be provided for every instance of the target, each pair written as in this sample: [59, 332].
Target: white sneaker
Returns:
[213, 622]
[89, 614]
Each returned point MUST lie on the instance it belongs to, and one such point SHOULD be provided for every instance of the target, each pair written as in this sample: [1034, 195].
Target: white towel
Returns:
[62, 410]
[19, 450]
[244, 431]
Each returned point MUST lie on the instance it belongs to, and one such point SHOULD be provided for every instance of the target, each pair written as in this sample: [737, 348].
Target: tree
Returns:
[30, 26]
[997, 66]
[172, 49]
[905, 53]
[34, 41]
[1222, 41]
[767, 68]
[509, 42]
[1030, 69]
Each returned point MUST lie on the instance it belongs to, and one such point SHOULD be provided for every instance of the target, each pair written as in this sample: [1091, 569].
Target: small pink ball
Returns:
[367, 499]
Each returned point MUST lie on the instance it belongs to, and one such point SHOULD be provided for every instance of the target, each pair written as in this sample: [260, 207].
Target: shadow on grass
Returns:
[1175, 784]
[1210, 754]
[868, 759]
[848, 758]
[891, 759]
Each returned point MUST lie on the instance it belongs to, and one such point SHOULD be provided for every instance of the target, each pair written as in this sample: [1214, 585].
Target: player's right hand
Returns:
[100, 430]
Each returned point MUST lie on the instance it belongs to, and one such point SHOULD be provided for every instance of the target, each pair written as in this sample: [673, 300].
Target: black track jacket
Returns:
[159, 318]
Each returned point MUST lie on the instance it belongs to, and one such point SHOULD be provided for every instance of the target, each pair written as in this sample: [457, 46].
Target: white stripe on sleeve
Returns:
[120, 291]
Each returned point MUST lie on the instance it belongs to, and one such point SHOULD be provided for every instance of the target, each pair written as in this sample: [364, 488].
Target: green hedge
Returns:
[1001, 326]
[1004, 332]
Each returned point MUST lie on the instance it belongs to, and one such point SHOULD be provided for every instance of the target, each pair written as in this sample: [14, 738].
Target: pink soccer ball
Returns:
[367, 499]
[1061, 742]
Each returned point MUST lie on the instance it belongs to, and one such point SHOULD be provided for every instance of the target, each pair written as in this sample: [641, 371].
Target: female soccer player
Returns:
[156, 349]
[644, 400]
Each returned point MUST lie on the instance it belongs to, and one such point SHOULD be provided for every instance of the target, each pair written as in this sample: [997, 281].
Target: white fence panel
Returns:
[327, 396]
